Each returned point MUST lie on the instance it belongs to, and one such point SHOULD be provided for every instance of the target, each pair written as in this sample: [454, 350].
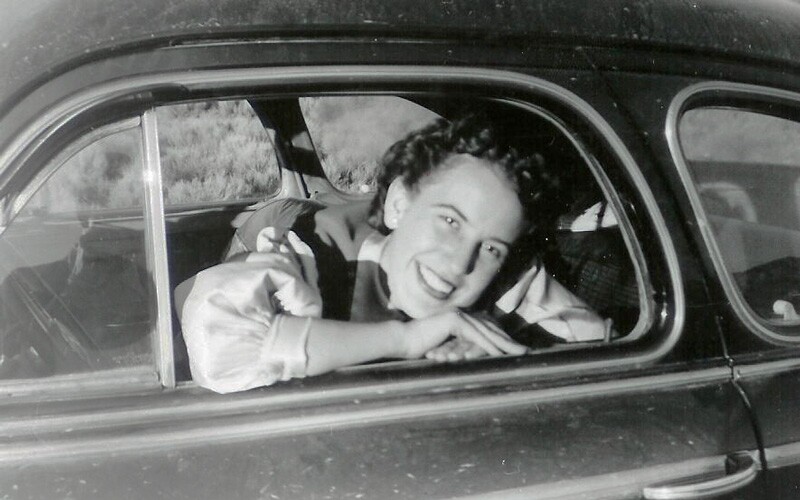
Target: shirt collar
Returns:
[372, 248]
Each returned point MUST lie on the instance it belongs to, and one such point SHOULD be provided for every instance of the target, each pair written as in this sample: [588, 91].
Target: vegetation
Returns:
[214, 151]
[219, 151]
[352, 133]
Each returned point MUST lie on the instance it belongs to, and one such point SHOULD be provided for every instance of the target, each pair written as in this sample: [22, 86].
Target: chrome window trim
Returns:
[60, 115]
[255, 423]
[678, 106]
[156, 250]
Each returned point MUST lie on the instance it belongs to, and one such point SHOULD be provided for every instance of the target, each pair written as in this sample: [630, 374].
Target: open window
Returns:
[332, 146]
[103, 225]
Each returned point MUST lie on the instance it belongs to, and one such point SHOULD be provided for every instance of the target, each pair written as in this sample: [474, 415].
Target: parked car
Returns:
[136, 136]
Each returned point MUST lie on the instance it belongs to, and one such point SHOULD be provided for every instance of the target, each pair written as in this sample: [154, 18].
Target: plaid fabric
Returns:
[596, 267]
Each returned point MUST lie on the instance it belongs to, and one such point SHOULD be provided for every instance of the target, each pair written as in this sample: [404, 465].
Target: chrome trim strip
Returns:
[785, 455]
[236, 78]
[85, 384]
[764, 369]
[615, 485]
[156, 247]
[674, 114]
[258, 402]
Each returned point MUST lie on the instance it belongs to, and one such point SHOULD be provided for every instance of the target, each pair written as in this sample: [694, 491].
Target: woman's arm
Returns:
[333, 344]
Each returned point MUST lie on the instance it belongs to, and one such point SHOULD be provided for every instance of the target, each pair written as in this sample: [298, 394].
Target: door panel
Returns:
[774, 391]
[608, 438]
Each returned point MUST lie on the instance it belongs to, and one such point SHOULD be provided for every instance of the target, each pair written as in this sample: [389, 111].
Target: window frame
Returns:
[744, 97]
[232, 81]
[127, 378]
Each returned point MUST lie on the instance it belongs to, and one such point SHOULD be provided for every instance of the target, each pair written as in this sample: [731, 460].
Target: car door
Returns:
[652, 412]
[749, 196]
[732, 140]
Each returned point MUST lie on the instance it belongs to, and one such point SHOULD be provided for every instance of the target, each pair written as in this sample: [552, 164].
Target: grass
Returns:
[219, 151]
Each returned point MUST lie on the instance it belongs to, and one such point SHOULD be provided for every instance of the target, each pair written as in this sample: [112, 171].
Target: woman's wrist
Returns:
[400, 335]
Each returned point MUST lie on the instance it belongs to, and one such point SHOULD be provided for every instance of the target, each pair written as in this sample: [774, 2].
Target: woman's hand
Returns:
[474, 337]
[455, 349]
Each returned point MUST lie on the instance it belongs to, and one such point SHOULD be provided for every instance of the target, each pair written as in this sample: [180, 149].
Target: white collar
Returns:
[372, 248]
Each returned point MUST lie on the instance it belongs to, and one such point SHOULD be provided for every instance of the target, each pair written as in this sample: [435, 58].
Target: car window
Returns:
[588, 255]
[85, 217]
[75, 292]
[351, 134]
[746, 166]
[215, 151]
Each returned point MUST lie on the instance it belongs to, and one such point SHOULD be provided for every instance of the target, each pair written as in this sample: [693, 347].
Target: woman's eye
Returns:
[450, 221]
[493, 251]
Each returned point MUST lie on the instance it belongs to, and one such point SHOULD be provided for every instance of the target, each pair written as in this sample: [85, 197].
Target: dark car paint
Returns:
[711, 415]
[439, 455]
[765, 372]
[47, 34]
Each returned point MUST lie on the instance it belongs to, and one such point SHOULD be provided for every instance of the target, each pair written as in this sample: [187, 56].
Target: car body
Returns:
[697, 397]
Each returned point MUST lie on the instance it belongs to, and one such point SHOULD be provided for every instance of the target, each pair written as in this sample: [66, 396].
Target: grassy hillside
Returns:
[219, 151]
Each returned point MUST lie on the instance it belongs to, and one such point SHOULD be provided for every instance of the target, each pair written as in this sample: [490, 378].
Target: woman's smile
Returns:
[436, 286]
[452, 235]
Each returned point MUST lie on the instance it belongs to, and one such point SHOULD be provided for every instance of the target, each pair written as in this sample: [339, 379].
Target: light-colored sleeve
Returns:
[231, 316]
[539, 299]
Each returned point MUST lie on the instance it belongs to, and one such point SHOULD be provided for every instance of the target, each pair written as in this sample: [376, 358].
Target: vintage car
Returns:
[136, 136]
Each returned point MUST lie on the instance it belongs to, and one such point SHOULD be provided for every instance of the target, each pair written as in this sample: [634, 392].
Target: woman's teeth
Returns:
[441, 288]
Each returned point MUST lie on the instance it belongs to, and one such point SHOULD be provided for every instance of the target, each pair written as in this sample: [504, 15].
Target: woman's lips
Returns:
[436, 286]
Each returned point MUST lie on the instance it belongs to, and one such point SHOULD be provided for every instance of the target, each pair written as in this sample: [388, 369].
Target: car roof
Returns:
[40, 38]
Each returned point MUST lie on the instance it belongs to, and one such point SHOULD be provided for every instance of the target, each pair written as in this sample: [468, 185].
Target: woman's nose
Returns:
[463, 257]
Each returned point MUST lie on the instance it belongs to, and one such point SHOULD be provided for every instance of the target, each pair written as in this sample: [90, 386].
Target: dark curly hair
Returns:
[425, 151]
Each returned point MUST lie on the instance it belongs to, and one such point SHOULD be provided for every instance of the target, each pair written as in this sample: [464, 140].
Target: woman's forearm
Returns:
[333, 344]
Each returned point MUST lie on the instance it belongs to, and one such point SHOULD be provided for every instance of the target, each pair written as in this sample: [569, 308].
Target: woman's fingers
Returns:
[474, 337]
[474, 331]
[499, 340]
[451, 350]
[455, 349]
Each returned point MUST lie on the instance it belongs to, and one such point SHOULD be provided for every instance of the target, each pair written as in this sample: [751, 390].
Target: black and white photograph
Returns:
[399, 249]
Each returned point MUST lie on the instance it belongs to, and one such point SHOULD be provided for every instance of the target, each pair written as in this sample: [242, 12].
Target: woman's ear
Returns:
[397, 199]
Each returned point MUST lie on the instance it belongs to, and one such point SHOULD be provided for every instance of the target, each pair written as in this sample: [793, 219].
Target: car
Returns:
[135, 137]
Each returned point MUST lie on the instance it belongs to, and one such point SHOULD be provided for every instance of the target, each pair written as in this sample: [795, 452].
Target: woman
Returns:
[306, 289]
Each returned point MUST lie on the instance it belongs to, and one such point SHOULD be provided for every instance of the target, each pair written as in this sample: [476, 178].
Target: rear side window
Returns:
[215, 151]
[746, 168]
[352, 133]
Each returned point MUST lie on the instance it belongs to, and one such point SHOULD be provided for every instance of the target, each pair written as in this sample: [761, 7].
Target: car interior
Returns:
[748, 183]
[86, 304]
[755, 229]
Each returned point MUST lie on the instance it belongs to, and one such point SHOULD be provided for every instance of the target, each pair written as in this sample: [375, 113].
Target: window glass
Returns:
[106, 174]
[746, 166]
[351, 134]
[74, 287]
[215, 151]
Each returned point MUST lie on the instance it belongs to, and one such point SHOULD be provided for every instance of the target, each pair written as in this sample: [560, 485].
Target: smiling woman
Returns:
[450, 236]
[308, 289]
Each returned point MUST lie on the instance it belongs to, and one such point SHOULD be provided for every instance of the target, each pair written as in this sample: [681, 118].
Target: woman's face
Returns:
[451, 235]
